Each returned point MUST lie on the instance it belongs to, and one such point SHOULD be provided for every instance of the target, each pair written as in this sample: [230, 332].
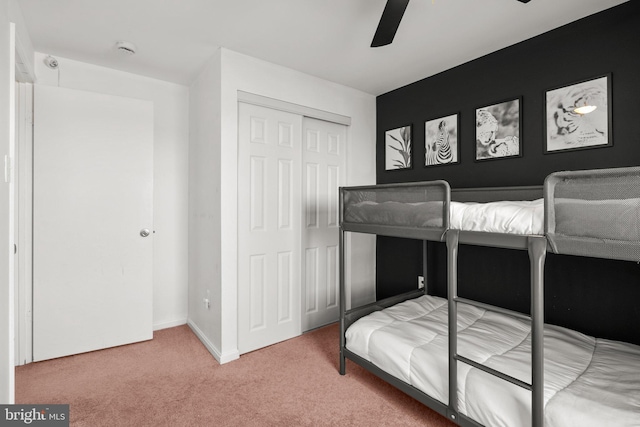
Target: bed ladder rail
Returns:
[537, 249]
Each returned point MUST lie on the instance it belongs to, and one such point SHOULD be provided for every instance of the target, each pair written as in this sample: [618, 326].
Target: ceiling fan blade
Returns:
[389, 22]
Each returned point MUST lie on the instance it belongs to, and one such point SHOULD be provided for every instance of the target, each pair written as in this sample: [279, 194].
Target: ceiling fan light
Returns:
[585, 109]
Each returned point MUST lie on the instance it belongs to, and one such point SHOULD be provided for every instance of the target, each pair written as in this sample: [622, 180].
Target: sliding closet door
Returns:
[324, 146]
[92, 221]
[269, 229]
[290, 169]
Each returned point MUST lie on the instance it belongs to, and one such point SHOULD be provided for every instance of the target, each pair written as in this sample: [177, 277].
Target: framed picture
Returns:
[578, 116]
[397, 146]
[441, 145]
[498, 130]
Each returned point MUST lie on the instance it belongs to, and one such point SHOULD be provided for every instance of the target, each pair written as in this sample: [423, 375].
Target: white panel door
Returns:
[93, 187]
[269, 231]
[324, 146]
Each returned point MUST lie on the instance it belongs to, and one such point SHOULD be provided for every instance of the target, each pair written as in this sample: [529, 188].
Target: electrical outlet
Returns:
[420, 282]
[207, 301]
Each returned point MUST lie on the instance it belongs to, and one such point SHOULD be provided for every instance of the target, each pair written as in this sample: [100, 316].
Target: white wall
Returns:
[204, 205]
[171, 145]
[233, 72]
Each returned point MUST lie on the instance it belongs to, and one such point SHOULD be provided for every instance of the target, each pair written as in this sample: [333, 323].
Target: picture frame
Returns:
[578, 115]
[442, 141]
[499, 130]
[398, 148]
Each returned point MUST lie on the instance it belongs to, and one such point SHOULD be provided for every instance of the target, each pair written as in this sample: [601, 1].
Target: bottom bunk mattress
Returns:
[589, 382]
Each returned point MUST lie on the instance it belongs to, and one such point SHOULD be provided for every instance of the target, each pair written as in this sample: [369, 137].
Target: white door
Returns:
[324, 145]
[269, 231]
[93, 186]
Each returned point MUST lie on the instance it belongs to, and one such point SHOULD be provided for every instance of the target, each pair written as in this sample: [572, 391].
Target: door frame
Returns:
[22, 103]
[289, 107]
[24, 225]
[23, 277]
[7, 288]
[304, 111]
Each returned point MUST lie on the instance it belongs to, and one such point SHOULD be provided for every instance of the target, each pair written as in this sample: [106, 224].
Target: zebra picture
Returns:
[441, 141]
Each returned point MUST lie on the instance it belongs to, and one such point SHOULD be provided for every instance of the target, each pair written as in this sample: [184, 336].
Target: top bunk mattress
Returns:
[587, 213]
[613, 219]
[510, 217]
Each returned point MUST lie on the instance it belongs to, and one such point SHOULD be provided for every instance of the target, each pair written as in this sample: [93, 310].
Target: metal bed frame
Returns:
[535, 245]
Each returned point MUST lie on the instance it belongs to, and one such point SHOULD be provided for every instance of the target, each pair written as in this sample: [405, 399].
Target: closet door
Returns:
[269, 229]
[324, 157]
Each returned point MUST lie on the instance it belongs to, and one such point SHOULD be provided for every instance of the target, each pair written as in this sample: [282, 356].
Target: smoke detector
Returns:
[126, 48]
[51, 62]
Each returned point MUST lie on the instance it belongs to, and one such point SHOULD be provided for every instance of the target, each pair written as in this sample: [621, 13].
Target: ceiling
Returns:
[326, 38]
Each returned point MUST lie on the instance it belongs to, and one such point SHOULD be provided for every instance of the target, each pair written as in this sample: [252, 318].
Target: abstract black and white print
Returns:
[578, 116]
[398, 148]
[441, 141]
[498, 130]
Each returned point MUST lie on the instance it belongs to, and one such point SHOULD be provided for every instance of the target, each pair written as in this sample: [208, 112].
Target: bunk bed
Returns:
[482, 365]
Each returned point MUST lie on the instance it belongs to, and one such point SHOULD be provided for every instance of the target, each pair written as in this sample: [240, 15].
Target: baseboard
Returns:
[229, 357]
[169, 324]
[221, 358]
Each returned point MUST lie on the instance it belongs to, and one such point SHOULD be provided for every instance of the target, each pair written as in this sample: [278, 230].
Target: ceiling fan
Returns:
[390, 20]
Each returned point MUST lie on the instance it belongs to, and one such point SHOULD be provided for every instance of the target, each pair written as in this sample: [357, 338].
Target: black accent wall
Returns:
[604, 43]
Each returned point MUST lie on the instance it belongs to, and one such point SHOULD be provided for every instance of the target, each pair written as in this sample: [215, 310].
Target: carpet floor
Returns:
[173, 380]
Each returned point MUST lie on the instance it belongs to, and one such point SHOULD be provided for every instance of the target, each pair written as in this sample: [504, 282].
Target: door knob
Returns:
[144, 232]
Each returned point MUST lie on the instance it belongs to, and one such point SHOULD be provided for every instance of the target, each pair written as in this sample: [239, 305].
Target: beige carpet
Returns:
[174, 381]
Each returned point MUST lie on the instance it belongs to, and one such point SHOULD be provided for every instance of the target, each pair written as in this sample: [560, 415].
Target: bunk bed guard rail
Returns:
[417, 210]
[594, 213]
